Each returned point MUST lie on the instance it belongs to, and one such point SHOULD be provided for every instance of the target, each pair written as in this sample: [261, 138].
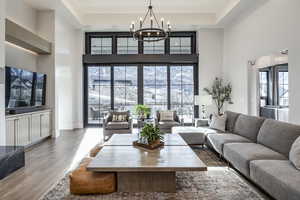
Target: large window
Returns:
[125, 87]
[119, 75]
[99, 98]
[101, 45]
[182, 91]
[156, 87]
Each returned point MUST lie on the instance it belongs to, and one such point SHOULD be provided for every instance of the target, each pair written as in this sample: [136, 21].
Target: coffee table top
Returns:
[134, 159]
[127, 139]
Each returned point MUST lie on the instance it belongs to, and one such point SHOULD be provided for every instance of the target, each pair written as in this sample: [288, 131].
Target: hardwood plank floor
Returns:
[47, 163]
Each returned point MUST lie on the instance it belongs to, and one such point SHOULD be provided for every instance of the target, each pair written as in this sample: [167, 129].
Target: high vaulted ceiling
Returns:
[107, 15]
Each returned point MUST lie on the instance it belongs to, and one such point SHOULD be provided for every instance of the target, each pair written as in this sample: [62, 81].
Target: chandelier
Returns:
[154, 31]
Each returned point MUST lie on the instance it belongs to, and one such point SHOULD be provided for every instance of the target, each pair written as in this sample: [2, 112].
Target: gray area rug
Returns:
[221, 183]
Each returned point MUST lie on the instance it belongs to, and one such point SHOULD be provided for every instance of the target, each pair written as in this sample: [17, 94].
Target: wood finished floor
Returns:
[47, 163]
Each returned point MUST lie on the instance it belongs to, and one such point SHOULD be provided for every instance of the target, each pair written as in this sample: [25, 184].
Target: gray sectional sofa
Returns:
[259, 148]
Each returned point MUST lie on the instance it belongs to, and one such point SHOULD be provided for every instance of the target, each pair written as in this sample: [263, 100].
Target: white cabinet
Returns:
[45, 124]
[23, 130]
[29, 128]
[36, 127]
[10, 131]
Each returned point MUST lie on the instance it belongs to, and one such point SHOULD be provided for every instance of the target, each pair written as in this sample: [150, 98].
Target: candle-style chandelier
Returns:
[152, 33]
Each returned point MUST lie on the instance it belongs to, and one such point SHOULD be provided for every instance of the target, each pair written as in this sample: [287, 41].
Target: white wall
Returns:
[21, 13]
[210, 48]
[262, 31]
[16, 57]
[2, 63]
[68, 74]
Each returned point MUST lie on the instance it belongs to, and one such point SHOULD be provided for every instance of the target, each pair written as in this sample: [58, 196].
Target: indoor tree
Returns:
[220, 93]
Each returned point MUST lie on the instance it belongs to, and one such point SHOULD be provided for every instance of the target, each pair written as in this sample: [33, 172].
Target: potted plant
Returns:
[220, 93]
[142, 111]
[150, 137]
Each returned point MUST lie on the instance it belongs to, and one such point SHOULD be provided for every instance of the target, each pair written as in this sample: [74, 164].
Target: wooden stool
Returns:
[94, 151]
[86, 182]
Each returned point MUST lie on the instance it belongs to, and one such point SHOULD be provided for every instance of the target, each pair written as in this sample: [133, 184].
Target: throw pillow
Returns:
[295, 153]
[119, 118]
[166, 115]
[218, 122]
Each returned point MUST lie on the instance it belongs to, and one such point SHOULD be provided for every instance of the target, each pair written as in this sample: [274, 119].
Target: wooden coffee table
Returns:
[141, 170]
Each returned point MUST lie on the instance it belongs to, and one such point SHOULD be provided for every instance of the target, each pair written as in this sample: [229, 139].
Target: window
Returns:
[274, 86]
[101, 45]
[154, 47]
[99, 98]
[118, 81]
[156, 87]
[182, 91]
[263, 83]
[127, 45]
[180, 45]
[283, 88]
[125, 87]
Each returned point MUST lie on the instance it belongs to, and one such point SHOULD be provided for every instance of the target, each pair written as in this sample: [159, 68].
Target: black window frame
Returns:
[139, 60]
[273, 83]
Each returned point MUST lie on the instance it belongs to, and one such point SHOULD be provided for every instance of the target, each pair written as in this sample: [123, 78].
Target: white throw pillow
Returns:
[166, 115]
[295, 153]
[218, 122]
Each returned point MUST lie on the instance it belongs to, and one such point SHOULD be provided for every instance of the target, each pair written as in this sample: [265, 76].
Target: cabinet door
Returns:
[45, 124]
[11, 131]
[23, 130]
[35, 127]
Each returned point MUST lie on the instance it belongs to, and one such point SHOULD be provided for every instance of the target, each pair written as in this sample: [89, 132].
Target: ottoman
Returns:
[193, 135]
[84, 182]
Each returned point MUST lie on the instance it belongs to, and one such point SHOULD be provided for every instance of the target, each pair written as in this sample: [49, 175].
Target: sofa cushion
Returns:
[217, 141]
[240, 155]
[277, 177]
[218, 122]
[248, 126]
[117, 125]
[295, 153]
[166, 115]
[168, 124]
[231, 120]
[278, 136]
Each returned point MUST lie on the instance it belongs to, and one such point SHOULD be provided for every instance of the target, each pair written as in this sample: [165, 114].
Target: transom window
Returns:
[180, 45]
[154, 47]
[127, 45]
[101, 45]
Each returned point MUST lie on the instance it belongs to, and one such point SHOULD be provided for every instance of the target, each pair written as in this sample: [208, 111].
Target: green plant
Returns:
[142, 110]
[220, 93]
[151, 133]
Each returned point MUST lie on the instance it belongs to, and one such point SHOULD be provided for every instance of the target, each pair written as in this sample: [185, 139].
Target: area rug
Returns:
[218, 183]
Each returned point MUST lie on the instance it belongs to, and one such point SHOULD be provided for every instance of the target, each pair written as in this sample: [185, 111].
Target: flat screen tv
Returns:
[19, 87]
[24, 89]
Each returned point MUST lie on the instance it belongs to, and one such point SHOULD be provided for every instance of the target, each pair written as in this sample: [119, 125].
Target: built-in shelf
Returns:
[24, 38]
